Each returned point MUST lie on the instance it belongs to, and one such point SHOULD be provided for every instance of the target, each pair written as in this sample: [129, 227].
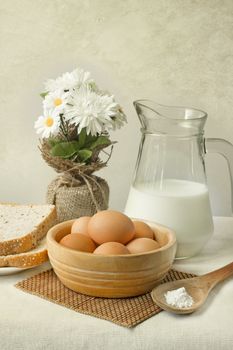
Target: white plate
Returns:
[4, 271]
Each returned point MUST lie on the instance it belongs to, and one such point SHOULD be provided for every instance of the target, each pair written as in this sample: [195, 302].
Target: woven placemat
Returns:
[127, 312]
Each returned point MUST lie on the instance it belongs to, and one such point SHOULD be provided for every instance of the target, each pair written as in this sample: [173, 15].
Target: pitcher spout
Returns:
[174, 120]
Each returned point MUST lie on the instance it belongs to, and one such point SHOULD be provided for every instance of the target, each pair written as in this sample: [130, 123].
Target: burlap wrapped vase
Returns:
[75, 191]
[73, 201]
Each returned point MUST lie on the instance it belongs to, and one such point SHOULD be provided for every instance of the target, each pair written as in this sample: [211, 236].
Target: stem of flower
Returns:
[63, 128]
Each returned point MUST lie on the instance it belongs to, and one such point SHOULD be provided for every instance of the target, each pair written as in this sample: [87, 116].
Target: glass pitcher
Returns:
[169, 185]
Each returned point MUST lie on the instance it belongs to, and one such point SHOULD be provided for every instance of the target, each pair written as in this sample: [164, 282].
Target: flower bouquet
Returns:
[74, 130]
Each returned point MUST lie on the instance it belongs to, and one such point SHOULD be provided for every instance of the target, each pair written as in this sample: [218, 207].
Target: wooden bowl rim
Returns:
[54, 230]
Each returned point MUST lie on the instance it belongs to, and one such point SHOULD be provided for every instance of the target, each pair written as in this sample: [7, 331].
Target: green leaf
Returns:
[52, 142]
[82, 138]
[43, 94]
[65, 149]
[84, 154]
[100, 141]
[89, 140]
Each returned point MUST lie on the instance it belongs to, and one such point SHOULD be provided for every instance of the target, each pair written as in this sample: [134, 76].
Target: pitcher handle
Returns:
[225, 148]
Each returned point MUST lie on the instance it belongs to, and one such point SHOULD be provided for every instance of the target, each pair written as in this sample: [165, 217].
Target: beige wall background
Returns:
[173, 51]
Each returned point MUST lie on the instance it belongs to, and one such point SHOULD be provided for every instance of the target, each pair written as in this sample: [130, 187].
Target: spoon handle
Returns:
[214, 277]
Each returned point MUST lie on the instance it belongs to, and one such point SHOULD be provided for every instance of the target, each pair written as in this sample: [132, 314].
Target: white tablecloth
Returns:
[28, 322]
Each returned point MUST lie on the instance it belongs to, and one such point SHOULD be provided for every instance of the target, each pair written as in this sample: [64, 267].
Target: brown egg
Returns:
[110, 226]
[111, 248]
[80, 225]
[161, 237]
[142, 245]
[142, 230]
[78, 241]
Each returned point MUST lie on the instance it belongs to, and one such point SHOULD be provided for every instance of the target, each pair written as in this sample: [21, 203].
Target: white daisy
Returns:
[91, 111]
[68, 81]
[56, 99]
[48, 124]
[118, 120]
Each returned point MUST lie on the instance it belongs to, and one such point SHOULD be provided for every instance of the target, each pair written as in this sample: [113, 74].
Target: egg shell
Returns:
[80, 225]
[161, 238]
[142, 245]
[78, 241]
[111, 248]
[142, 230]
[110, 226]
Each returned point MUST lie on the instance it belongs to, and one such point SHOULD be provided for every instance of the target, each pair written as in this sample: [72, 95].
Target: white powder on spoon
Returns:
[179, 298]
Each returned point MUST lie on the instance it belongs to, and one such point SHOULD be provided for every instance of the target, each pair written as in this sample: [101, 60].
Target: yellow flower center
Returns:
[49, 121]
[57, 101]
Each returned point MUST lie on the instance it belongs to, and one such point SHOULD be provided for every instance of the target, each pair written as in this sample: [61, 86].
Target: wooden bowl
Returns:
[111, 276]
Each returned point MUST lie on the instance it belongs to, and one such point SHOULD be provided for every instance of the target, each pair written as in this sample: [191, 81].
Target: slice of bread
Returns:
[29, 259]
[23, 226]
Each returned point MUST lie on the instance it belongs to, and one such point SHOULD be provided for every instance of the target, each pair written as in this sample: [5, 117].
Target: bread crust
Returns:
[29, 259]
[29, 241]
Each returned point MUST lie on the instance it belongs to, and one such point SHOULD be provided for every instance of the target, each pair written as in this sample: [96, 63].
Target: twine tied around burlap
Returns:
[75, 191]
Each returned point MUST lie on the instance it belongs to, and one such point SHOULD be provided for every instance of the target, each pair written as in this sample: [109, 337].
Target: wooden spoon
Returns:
[197, 287]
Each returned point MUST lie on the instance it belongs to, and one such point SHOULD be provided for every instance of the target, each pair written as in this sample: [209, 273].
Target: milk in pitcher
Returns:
[181, 205]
